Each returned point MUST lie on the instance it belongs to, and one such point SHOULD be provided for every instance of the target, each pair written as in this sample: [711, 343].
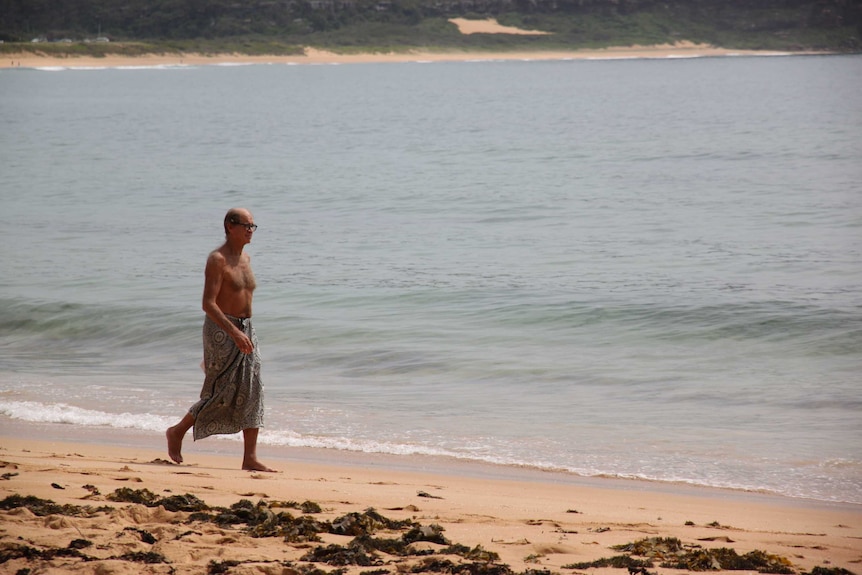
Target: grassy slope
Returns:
[772, 30]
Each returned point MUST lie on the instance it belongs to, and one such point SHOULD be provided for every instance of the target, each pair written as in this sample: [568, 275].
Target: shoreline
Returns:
[530, 524]
[229, 446]
[315, 56]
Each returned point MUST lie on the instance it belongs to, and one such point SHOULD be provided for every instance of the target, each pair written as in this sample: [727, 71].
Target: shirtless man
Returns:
[232, 394]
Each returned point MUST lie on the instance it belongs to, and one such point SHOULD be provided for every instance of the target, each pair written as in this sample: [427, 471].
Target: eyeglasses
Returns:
[249, 227]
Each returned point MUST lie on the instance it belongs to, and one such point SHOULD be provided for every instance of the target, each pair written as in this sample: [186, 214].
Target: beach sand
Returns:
[316, 56]
[533, 522]
[682, 49]
[491, 26]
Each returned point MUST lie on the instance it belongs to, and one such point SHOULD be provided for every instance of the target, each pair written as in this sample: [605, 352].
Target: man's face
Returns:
[243, 227]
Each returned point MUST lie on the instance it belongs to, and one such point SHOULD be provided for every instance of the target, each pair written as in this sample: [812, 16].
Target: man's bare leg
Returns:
[249, 458]
[175, 436]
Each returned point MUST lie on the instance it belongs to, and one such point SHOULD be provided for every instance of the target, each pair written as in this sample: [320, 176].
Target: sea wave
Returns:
[98, 68]
[131, 325]
[38, 412]
[59, 323]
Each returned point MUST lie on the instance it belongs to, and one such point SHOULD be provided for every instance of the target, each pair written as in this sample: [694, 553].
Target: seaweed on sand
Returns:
[147, 498]
[477, 553]
[261, 520]
[674, 555]
[310, 507]
[830, 571]
[30, 553]
[362, 550]
[365, 549]
[42, 507]
[145, 536]
[431, 533]
[653, 547]
[340, 555]
[436, 565]
[220, 567]
[365, 523]
[618, 561]
[264, 522]
[725, 558]
[149, 557]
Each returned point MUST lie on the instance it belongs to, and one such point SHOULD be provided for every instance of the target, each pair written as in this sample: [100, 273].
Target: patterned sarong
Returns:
[232, 395]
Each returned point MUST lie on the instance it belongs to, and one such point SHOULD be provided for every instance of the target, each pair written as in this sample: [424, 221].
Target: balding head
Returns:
[235, 216]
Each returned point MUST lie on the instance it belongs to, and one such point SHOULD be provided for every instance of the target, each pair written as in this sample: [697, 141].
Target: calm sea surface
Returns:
[635, 268]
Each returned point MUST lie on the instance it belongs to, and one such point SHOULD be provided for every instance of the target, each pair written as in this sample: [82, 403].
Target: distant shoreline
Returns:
[317, 56]
[311, 55]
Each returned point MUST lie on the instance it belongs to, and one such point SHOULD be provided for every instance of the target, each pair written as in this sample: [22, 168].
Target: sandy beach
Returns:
[682, 49]
[320, 57]
[129, 510]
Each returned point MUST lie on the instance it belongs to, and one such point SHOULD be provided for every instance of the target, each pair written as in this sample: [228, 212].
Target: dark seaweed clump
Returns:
[672, 554]
[147, 498]
[724, 558]
[149, 557]
[30, 553]
[618, 561]
[72, 550]
[44, 507]
[220, 567]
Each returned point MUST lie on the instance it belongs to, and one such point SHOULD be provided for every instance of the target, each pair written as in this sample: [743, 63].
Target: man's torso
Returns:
[237, 286]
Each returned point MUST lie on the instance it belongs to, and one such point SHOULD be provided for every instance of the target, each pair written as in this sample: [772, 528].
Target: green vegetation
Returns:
[283, 27]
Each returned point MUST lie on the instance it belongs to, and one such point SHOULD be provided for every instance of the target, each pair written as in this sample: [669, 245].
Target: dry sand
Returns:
[533, 522]
[491, 26]
[316, 56]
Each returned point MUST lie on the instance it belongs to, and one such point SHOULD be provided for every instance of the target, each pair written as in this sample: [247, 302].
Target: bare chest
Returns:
[239, 277]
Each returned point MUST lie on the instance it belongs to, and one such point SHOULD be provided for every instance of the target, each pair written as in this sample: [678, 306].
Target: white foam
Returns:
[96, 68]
[36, 412]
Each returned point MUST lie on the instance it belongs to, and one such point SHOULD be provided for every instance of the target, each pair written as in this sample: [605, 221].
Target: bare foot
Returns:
[175, 445]
[255, 465]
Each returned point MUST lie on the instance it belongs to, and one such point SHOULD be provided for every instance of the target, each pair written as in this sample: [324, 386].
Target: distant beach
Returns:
[316, 56]
[312, 55]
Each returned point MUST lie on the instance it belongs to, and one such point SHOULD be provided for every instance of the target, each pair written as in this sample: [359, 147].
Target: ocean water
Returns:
[627, 268]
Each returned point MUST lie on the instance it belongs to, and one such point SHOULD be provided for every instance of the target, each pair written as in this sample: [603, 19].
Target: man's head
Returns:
[238, 218]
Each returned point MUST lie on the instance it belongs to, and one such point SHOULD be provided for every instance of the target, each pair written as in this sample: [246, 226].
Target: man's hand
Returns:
[243, 343]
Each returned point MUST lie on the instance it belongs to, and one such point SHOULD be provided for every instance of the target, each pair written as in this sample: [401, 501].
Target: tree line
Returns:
[23, 20]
